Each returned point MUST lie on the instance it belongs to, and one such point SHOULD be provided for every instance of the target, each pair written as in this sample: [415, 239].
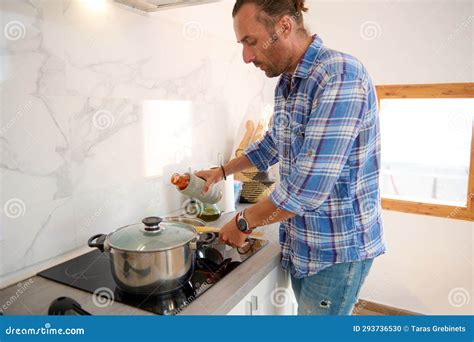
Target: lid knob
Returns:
[152, 223]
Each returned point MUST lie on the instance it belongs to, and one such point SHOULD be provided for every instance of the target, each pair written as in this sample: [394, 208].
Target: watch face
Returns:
[242, 225]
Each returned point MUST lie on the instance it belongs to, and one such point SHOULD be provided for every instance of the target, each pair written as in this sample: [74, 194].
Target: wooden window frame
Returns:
[427, 91]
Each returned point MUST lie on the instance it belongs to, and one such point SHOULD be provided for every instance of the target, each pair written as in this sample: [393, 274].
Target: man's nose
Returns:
[248, 55]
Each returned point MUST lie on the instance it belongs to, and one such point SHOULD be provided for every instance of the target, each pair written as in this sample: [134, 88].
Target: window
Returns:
[428, 149]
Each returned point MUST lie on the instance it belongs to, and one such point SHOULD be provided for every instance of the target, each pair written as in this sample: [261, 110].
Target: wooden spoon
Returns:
[250, 127]
[259, 131]
[254, 235]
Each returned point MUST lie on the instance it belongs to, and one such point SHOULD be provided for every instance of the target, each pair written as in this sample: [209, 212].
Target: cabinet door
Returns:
[272, 296]
[281, 297]
[253, 303]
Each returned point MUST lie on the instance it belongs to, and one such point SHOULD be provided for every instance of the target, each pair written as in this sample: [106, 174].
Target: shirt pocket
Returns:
[327, 229]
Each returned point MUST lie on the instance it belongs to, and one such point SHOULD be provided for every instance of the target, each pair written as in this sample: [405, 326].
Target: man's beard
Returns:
[277, 69]
[281, 64]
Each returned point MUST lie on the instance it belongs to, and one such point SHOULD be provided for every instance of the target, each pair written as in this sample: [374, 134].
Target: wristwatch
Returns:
[242, 223]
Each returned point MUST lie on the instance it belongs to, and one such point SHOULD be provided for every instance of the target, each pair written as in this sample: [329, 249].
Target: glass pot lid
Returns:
[152, 235]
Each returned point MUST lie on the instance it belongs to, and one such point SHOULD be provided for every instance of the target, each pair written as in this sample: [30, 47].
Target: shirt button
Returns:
[309, 153]
[286, 153]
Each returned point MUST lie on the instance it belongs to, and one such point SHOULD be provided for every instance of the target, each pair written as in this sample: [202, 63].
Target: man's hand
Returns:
[231, 235]
[211, 177]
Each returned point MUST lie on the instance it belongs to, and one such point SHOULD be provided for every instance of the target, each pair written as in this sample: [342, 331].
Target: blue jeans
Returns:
[333, 291]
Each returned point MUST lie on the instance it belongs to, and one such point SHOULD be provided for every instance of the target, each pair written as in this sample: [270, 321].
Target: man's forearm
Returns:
[265, 212]
[237, 165]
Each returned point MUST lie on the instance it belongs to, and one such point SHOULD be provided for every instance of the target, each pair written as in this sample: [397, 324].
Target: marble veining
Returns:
[74, 84]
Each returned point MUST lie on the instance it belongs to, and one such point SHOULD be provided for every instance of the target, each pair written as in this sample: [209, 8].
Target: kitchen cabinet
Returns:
[272, 296]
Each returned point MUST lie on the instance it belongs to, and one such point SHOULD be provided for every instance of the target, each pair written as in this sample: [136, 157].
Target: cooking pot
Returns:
[155, 256]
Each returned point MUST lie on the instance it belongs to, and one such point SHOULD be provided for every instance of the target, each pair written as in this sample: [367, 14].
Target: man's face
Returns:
[262, 46]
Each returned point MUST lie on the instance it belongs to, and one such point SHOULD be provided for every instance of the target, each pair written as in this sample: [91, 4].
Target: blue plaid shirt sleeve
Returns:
[263, 153]
[336, 118]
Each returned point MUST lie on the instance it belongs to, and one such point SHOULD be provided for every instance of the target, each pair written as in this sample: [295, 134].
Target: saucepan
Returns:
[155, 256]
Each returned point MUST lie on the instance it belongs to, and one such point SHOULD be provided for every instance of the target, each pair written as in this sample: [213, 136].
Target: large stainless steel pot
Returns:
[153, 257]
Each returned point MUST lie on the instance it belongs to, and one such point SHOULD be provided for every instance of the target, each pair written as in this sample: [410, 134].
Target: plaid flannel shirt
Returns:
[325, 136]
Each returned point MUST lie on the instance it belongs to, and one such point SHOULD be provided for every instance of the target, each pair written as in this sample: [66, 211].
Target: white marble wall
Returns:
[80, 81]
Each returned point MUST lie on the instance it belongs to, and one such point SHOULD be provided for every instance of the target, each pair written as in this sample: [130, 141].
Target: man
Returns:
[325, 136]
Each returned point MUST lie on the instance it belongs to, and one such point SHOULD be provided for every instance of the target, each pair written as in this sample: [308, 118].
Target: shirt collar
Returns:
[306, 64]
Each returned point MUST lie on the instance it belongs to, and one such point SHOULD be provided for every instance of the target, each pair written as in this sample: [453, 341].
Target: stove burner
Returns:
[209, 253]
[251, 246]
[207, 238]
[170, 303]
[85, 270]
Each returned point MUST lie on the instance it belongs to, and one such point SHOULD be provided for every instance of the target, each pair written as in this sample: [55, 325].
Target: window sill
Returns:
[437, 210]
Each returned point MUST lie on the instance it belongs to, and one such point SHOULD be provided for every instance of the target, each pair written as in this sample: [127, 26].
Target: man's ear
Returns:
[286, 26]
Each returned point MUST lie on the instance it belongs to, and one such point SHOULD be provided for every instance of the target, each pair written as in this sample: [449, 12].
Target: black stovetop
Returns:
[91, 272]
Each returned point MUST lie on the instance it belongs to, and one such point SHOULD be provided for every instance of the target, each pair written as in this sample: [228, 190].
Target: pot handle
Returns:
[99, 243]
[194, 243]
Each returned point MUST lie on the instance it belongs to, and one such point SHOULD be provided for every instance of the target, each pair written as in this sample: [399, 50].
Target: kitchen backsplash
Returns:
[100, 104]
